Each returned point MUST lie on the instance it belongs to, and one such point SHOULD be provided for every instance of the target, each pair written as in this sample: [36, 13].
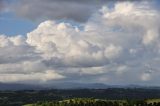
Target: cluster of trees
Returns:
[96, 102]
[22, 97]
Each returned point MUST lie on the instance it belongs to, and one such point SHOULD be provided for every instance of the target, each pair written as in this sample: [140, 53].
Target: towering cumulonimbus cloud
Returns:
[118, 45]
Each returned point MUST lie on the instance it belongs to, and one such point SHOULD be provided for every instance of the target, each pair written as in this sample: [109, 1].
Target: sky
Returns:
[114, 42]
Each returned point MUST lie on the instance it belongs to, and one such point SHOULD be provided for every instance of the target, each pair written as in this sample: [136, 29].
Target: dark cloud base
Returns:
[76, 10]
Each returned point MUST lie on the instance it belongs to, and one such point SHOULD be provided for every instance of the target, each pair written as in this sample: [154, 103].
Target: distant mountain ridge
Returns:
[67, 85]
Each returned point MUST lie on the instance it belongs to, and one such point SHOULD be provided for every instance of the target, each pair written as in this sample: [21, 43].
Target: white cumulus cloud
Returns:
[112, 47]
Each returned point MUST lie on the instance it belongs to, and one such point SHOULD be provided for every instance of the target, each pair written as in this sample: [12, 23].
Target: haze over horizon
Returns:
[114, 42]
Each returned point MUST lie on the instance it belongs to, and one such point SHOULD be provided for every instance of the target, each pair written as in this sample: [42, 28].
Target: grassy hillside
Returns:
[98, 102]
[153, 100]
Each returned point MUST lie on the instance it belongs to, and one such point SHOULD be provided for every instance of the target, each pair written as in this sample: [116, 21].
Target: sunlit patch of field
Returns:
[85, 101]
[153, 100]
[28, 105]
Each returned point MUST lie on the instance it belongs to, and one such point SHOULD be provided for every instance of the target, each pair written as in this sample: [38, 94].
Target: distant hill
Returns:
[16, 86]
[71, 85]
[66, 85]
